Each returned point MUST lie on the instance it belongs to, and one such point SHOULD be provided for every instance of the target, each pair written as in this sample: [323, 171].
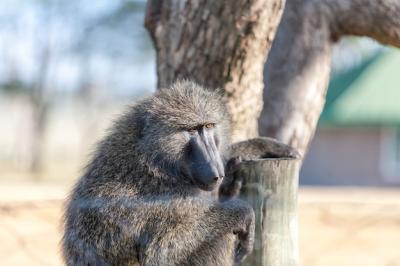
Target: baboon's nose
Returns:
[217, 177]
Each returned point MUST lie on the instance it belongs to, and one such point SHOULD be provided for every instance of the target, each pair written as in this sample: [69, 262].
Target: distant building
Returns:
[358, 137]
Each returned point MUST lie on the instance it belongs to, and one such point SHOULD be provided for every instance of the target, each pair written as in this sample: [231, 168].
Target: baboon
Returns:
[152, 194]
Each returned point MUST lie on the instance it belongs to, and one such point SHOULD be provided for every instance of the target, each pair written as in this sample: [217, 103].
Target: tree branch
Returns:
[378, 19]
[298, 67]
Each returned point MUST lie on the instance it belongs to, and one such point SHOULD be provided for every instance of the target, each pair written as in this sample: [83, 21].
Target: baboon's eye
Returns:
[209, 125]
[191, 130]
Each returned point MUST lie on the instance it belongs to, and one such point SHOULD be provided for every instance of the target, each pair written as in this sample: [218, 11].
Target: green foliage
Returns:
[14, 87]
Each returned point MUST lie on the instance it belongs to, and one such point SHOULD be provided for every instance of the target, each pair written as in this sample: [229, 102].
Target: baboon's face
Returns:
[185, 132]
[202, 161]
[191, 152]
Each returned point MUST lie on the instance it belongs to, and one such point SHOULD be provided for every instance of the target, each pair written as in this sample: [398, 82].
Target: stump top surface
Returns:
[272, 159]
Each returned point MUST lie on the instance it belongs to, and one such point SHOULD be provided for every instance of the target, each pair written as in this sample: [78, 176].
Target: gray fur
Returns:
[132, 206]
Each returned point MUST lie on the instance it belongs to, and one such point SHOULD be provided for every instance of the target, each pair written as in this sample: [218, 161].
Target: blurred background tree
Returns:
[57, 49]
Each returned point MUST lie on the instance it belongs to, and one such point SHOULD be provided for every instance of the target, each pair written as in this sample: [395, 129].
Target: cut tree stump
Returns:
[271, 187]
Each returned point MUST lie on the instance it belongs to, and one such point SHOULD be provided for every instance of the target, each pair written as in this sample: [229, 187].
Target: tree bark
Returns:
[271, 188]
[220, 44]
[298, 67]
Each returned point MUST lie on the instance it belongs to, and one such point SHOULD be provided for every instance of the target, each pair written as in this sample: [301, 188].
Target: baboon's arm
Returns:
[256, 148]
[194, 232]
[161, 231]
[261, 147]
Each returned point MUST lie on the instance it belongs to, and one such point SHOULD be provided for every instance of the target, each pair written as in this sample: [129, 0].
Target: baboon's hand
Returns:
[262, 147]
[232, 183]
[245, 235]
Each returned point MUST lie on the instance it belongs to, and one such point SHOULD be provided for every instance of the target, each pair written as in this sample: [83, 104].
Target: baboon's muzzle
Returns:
[204, 160]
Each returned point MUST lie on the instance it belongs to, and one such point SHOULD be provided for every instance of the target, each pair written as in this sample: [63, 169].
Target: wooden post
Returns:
[271, 188]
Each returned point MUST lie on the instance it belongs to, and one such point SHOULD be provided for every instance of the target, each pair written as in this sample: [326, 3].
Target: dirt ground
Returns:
[338, 226]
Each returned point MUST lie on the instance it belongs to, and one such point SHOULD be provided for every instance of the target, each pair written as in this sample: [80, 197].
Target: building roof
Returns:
[367, 95]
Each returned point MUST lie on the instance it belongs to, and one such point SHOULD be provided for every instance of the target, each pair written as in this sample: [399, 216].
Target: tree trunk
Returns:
[39, 112]
[220, 44]
[271, 188]
[298, 67]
